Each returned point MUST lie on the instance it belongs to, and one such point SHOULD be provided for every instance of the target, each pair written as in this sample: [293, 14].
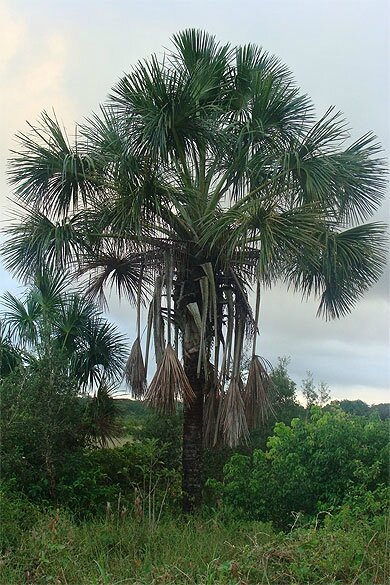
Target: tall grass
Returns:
[53, 548]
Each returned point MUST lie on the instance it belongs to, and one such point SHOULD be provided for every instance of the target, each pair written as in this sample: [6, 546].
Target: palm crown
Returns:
[203, 176]
[51, 317]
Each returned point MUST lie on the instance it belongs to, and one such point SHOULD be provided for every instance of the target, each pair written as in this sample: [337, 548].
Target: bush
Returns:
[308, 467]
[42, 422]
[92, 478]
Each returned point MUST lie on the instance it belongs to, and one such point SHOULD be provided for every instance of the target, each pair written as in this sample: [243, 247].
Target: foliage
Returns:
[309, 467]
[313, 395]
[285, 405]
[42, 422]
[205, 173]
[167, 431]
[382, 410]
[52, 547]
[10, 355]
[53, 316]
[102, 423]
[135, 471]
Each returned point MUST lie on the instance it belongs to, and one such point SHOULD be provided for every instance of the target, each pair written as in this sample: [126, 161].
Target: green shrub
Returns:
[308, 467]
[93, 477]
[42, 422]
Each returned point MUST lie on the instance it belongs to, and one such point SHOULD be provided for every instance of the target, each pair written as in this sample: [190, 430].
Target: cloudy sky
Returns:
[67, 54]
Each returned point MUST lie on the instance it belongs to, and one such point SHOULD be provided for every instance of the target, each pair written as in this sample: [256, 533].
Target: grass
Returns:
[53, 548]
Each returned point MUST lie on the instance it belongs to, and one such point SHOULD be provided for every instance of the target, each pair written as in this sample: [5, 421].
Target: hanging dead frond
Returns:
[135, 372]
[242, 303]
[158, 322]
[232, 418]
[257, 396]
[169, 384]
[149, 334]
[210, 413]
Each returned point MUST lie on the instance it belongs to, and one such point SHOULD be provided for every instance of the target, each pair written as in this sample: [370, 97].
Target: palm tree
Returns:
[10, 355]
[204, 176]
[52, 317]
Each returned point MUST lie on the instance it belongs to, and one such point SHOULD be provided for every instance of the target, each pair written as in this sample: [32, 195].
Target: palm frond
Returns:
[36, 243]
[10, 354]
[135, 373]
[102, 423]
[116, 268]
[100, 352]
[169, 385]
[257, 395]
[48, 173]
[21, 318]
[232, 419]
[340, 268]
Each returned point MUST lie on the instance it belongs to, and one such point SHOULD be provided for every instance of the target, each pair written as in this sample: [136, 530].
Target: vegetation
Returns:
[304, 504]
[53, 317]
[206, 175]
[347, 549]
[311, 468]
[203, 178]
[114, 517]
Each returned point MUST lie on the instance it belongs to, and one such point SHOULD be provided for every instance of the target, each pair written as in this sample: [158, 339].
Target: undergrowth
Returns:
[50, 547]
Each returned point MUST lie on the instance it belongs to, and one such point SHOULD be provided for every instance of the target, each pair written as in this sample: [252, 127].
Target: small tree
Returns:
[319, 395]
[52, 316]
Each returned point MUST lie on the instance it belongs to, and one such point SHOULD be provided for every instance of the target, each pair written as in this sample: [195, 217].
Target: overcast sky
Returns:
[67, 54]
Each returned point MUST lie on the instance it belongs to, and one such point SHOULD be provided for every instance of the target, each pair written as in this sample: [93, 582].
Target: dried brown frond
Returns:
[210, 417]
[169, 384]
[257, 396]
[158, 322]
[232, 417]
[135, 373]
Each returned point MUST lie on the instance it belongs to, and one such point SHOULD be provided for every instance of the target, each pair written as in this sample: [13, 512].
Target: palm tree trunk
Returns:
[193, 422]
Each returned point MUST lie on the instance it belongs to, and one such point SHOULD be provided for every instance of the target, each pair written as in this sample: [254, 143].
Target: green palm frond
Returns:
[100, 352]
[48, 172]
[196, 48]
[341, 268]
[350, 183]
[22, 318]
[36, 243]
[10, 354]
[118, 269]
[71, 320]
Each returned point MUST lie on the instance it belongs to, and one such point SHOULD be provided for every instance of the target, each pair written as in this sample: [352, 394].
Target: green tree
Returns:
[319, 395]
[50, 317]
[205, 174]
[10, 355]
[356, 407]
